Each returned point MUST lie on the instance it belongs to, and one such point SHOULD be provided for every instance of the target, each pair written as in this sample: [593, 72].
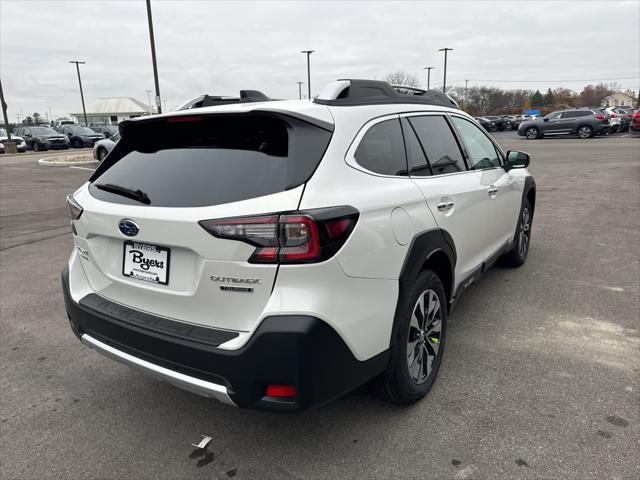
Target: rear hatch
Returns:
[142, 243]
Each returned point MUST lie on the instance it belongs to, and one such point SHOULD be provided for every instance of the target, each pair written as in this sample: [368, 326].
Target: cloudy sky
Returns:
[220, 47]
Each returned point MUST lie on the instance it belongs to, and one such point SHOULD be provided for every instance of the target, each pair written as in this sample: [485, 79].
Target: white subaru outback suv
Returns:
[276, 255]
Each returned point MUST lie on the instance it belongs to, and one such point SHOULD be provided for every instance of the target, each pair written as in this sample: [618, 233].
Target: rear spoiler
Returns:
[246, 96]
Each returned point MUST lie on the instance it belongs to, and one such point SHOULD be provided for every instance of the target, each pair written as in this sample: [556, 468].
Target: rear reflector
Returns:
[288, 391]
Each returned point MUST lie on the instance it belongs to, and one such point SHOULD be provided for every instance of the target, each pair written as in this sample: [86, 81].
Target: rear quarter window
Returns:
[211, 160]
[381, 149]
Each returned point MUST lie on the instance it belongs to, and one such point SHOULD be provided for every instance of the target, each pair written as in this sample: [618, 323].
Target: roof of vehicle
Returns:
[326, 113]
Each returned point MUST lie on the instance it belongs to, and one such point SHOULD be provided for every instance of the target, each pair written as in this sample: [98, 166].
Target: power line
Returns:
[549, 81]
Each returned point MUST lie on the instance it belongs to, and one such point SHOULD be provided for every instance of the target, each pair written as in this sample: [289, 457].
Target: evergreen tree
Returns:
[536, 99]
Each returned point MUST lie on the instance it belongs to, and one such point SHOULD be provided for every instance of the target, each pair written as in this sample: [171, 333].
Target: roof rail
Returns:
[353, 92]
[246, 96]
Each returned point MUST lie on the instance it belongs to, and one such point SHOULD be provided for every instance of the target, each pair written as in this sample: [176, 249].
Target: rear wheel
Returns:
[417, 343]
[532, 133]
[585, 131]
[518, 255]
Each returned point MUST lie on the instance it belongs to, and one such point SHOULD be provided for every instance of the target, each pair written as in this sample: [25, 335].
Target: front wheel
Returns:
[36, 147]
[417, 343]
[102, 153]
[532, 133]
[518, 255]
[585, 131]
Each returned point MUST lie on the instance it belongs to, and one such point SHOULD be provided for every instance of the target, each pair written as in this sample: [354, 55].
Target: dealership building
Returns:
[112, 110]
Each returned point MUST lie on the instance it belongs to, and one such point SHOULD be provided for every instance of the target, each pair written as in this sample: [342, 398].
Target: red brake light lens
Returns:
[600, 117]
[288, 391]
[299, 237]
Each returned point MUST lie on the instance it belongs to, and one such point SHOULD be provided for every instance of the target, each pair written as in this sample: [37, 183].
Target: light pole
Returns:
[444, 83]
[84, 111]
[308, 52]
[9, 146]
[149, 101]
[300, 89]
[153, 57]
[428, 69]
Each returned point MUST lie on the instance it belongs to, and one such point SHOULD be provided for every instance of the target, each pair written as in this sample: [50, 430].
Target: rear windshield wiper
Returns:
[137, 195]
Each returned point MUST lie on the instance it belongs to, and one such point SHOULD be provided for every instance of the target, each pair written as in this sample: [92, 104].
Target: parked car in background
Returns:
[42, 138]
[80, 136]
[625, 114]
[614, 119]
[584, 122]
[487, 124]
[20, 143]
[58, 122]
[499, 122]
[513, 121]
[106, 130]
[102, 147]
[634, 127]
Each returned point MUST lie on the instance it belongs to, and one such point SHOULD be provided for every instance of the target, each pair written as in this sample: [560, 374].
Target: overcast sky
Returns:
[220, 47]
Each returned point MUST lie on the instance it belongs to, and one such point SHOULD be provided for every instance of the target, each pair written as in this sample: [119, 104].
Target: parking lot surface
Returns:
[541, 377]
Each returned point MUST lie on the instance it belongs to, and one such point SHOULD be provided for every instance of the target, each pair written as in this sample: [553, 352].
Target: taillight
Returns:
[293, 237]
[613, 115]
[75, 210]
[600, 116]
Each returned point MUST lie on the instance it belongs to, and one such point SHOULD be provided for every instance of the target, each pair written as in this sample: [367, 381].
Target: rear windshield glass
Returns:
[196, 161]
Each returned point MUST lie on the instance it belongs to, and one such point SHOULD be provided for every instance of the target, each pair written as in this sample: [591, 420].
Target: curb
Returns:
[66, 161]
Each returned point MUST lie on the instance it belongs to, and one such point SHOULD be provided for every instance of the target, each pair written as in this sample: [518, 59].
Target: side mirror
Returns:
[516, 159]
[545, 119]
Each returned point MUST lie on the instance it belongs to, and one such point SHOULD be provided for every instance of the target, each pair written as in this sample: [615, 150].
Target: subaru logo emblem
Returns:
[128, 227]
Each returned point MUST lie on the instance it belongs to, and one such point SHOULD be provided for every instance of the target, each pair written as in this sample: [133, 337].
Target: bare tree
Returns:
[401, 77]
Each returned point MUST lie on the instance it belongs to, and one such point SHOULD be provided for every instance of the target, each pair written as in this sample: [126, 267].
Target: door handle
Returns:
[493, 191]
[444, 206]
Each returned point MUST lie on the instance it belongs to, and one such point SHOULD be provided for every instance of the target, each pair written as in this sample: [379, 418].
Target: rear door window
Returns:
[196, 161]
[381, 150]
[439, 144]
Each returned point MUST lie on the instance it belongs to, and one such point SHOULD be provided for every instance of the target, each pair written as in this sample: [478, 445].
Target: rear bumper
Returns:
[301, 351]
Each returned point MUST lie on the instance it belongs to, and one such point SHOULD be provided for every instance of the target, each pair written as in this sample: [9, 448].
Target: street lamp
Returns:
[308, 52]
[84, 111]
[444, 83]
[153, 57]
[300, 89]
[428, 69]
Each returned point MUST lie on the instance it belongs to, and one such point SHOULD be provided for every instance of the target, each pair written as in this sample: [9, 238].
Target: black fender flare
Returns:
[529, 183]
[423, 246]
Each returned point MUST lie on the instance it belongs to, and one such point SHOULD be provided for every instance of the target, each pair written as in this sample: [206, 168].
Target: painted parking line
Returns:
[84, 168]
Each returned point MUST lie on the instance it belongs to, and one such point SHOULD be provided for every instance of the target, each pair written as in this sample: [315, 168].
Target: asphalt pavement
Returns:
[541, 377]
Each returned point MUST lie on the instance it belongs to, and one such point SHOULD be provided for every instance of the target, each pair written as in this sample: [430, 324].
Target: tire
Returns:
[76, 144]
[401, 383]
[102, 153]
[585, 131]
[614, 129]
[501, 128]
[518, 255]
[532, 133]
[35, 146]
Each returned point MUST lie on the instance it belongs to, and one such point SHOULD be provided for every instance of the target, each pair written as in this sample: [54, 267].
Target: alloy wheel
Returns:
[584, 132]
[532, 133]
[425, 336]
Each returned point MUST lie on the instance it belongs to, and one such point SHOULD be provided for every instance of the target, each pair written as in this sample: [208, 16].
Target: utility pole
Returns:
[428, 69]
[84, 111]
[444, 83]
[308, 52]
[300, 89]
[153, 57]
[9, 146]
[149, 102]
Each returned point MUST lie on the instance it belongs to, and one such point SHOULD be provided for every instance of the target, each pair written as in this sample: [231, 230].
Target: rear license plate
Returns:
[149, 263]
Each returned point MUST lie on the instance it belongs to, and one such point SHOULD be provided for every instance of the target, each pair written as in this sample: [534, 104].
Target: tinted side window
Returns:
[571, 114]
[482, 152]
[381, 150]
[438, 142]
[418, 165]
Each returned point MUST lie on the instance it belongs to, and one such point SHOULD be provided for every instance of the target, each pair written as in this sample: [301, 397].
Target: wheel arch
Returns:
[434, 250]
[529, 192]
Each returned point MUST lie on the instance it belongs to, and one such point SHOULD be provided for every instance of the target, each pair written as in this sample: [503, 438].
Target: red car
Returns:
[635, 123]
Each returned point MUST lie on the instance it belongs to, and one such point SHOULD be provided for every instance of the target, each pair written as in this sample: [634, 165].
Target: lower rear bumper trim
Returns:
[180, 380]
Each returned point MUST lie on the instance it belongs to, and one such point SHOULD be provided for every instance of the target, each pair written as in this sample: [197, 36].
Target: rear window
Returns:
[197, 161]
